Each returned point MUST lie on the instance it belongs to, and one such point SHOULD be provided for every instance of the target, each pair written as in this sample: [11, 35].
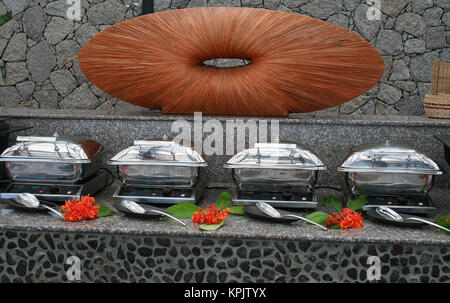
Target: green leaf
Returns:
[444, 221]
[332, 202]
[5, 18]
[318, 217]
[238, 210]
[211, 226]
[183, 210]
[224, 200]
[104, 211]
[357, 203]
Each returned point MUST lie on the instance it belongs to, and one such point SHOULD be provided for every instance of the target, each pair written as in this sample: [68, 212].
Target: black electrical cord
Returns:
[220, 187]
[329, 187]
[111, 175]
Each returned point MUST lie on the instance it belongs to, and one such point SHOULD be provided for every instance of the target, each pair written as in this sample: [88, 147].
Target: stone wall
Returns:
[39, 48]
[39, 45]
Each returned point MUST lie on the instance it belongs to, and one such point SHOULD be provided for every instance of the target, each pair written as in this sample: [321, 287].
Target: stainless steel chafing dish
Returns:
[54, 159]
[282, 174]
[5, 131]
[158, 171]
[56, 168]
[395, 174]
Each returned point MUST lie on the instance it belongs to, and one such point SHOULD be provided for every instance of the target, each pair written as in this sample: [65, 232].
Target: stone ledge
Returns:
[236, 227]
[26, 113]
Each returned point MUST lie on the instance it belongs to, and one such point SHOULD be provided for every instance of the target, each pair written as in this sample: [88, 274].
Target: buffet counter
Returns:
[37, 247]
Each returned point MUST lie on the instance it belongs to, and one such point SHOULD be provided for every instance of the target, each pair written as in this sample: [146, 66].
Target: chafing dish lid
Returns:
[276, 156]
[158, 152]
[51, 149]
[388, 158]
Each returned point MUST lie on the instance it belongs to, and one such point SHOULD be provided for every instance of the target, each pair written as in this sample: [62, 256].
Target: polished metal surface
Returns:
[158, 175]
[388, 158]
[156, 199]
[276, 156]
[274, 179]
[159, 152]
[90, 186]
[52, 149]
[134, 207]
[389, 168]
[389, 183]
[309, 204]
[269, 210]
[390, 214]
[274, 167]
[44, 171]
[405, 209]
[52, 159]
[9, 194]
[30, 200]
[158, 163]
[3, 145]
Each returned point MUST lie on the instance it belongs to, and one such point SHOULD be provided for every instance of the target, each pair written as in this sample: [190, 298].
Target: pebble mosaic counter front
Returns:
[42, 256]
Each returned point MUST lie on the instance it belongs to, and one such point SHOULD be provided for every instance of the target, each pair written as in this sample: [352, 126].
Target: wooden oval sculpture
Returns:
[298, 63]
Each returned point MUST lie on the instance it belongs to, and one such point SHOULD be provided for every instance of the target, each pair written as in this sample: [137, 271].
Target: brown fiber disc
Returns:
[298, 63]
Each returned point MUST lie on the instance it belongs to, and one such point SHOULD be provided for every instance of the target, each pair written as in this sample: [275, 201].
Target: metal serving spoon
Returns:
[136, 208]
[391, 214]
[269, 210]
[30, 200]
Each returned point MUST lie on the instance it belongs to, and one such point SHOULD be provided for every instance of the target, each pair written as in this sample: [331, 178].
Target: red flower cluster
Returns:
[346, 218]
[77, 210]
[210, 215]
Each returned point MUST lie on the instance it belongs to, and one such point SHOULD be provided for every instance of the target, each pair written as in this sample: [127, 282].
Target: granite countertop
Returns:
[235, 226]
[149, 115]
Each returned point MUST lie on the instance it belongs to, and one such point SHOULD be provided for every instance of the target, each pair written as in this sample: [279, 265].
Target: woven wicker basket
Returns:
[441, 78]
[437, 106]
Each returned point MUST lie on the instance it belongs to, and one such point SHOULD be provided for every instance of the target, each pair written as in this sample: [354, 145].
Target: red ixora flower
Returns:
[78, 210]
[210, 215]
[346, 218]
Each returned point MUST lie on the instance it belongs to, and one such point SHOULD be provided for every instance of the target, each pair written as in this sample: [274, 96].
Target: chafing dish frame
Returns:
[82, 168]
[194, 181]
[398, 176]
[295, 185]
[385, 185]
[89, 186]
[172, 181]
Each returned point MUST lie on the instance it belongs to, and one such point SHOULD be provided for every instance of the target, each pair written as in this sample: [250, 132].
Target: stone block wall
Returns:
[39, 48]
[39, 45]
